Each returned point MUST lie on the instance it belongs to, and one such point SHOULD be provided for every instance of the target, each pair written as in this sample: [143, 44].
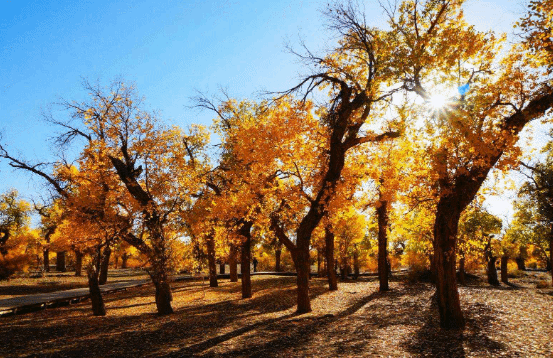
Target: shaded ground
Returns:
[56, 281]
[354, 321]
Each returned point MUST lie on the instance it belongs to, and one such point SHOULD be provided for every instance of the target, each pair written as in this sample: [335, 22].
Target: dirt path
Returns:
[355, 321]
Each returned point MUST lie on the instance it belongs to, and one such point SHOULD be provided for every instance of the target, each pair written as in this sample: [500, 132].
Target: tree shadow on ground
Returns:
[290, 335]
[430, 340]
[72, 331]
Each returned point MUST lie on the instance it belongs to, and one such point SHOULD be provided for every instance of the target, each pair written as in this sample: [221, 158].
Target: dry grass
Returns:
[511, 321]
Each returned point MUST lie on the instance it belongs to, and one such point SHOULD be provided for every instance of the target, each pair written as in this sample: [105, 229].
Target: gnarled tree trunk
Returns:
[104, 267]
[96, 300]
[448, 212]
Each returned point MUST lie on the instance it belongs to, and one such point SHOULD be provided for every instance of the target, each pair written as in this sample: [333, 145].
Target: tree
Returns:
[472, 131]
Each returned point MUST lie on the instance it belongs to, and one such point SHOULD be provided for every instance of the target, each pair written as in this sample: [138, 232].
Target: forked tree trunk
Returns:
[46, 256]
[504, 276]
[78, 263]
[448, 212]
[382, 215]
[246, 259]
[329, 253]
[278, 253]
[462, 276]
[60, 261]
[104, 267]
[233, 264]
[212, 265]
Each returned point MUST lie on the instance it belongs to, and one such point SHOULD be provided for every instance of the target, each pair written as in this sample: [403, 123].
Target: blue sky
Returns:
[167, 48]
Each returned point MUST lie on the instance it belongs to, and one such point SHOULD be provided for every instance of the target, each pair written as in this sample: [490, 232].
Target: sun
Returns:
[437, 101]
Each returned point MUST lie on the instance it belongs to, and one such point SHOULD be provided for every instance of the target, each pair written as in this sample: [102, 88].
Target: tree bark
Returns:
[504, 276]
[232, 264]
[46, 255]
[212, 265]
[222, 268]
[462, 276]
[319, 262]
[78, 263]
[329, 253]
[448, 212]
[104, 267]
[551, 256]
[492, 271]
[245, 231]
[164, 295]
[302, 269]
[278, 253]
[355, 263]
[124, 260]
[96, 299]
[60, 261]
[382, 216]
[521, 265]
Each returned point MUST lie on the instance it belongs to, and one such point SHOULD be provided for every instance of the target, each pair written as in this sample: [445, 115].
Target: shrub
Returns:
[543, 284]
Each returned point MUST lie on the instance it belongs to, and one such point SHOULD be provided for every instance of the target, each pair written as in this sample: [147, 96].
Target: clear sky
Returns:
[167, 48]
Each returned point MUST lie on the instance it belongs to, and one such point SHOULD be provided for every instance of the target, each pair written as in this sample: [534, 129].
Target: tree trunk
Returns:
[222, 268]
[343, 267]
[382, 215]
[164, 295]
[124, 260]
[278, 253]
[504, 276]
[462, 276]
[96, 299]
[448, 212]
[212, 265]
[78, 263]
[60, 261]
[46, 255]
[302, 269]
[492, 271]
[116, 262]
[245, 260]
[232, 264]
[329, 253]
[104, 267]
[319, 262]
[551, 256]
[356, 264]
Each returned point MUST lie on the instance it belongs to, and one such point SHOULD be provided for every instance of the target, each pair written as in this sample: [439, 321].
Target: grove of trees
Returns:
[374, 160]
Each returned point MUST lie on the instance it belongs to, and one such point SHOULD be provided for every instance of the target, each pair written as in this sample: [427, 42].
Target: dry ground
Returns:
[56, 281]
[509, 321]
